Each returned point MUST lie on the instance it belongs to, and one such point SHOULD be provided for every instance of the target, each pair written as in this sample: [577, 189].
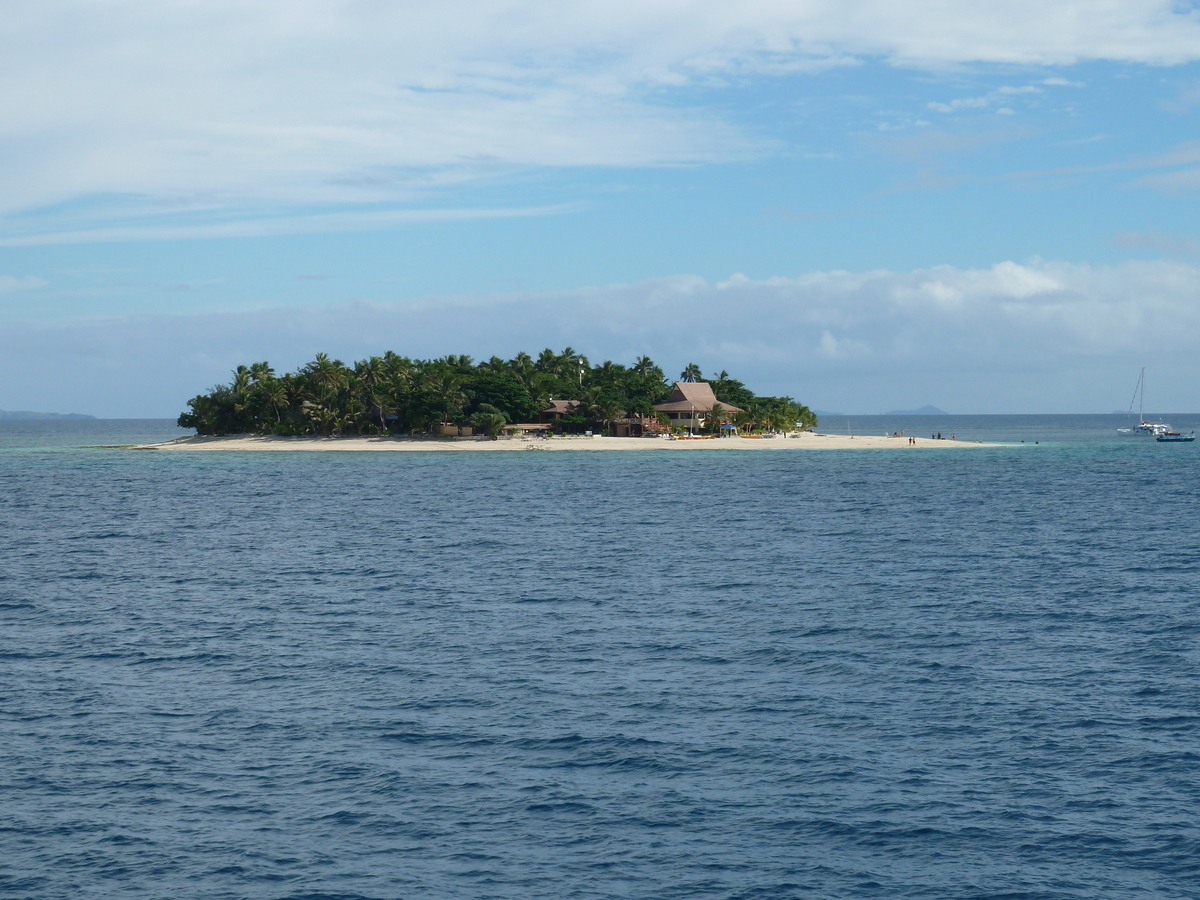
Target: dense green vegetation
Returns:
[393, 394]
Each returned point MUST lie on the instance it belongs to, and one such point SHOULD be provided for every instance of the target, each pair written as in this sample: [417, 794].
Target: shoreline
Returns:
[392, 444]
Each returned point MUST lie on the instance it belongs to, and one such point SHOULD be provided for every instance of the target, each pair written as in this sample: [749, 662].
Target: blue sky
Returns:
[989, 206]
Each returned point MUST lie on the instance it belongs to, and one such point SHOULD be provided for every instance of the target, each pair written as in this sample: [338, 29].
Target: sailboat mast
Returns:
[1139, 394]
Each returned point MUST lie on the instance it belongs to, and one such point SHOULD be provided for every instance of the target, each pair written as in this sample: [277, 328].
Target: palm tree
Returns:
[606, 410]
[609, 371]
[600, 407]
[488, 418]
[806, 418]
[371, 370]
[261, 371]
[275, 393]
[522, 368]
[539, 387]
[745, 420]
[397, 367]
[571, 366]
[717, 417]
[322, 420]
[321, 393]
[691, 373]
[786, 413]
[644, 366]
[241, 379]
[323, 370]
[447, 386]
[372, 374]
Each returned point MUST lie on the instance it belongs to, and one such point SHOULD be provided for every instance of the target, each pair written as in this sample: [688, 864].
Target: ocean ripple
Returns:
[600, 675]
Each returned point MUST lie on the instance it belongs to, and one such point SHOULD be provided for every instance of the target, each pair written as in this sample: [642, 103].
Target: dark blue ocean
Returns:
[920, 674]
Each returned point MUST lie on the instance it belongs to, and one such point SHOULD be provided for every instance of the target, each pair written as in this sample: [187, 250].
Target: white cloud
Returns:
[262, 227]
[10, 283]
[226, 103]
[960, 103]
[1002, 94]
[1035, 337]
[831, 347]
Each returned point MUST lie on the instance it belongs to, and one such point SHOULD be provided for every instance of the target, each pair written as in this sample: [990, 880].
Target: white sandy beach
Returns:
[802, 441]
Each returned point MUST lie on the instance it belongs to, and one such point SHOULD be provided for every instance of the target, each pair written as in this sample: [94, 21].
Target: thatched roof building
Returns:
[557, 409]
[693, 397]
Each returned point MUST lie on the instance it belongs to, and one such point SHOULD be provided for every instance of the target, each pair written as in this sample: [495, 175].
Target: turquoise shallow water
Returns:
[600, 675]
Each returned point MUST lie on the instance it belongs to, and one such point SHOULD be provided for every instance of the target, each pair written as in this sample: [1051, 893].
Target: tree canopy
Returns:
[393, 394]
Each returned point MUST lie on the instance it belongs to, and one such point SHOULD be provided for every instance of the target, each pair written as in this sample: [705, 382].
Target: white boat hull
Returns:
[1145, 429]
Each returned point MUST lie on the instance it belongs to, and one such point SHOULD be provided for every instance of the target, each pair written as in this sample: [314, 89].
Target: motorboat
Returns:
[1175, 437]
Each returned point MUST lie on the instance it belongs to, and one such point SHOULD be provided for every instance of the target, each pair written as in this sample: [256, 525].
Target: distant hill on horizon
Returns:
[26, 414]
[923, 411]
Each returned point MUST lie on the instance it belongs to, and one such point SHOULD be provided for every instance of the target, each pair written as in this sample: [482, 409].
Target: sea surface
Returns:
[768, 675]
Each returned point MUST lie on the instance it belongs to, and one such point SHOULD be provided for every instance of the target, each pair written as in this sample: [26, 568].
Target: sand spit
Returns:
[804, 441]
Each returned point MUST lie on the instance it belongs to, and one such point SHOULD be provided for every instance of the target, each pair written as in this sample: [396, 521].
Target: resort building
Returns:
[689, 407]
[691, 403]
[519, 429]
[556, 410]
[637, 426]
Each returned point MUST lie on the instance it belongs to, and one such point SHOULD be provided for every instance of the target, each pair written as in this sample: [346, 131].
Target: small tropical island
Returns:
[558, 401]
[556, 393]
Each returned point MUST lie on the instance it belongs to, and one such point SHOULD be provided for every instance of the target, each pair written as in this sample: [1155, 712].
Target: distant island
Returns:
[26, 414]
[454, 395]
[923, 411]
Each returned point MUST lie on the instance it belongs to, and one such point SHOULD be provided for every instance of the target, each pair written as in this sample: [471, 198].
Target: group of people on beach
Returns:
[913, 440]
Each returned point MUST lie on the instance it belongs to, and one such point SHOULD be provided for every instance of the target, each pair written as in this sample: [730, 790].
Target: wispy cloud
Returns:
[1182, 157]
[933, 146]
[1005, 94]
[960, 104]
[238, 104]
[10, 283]
[1172, 182]
[1179, 246]
[1186, 100]
[263, 227]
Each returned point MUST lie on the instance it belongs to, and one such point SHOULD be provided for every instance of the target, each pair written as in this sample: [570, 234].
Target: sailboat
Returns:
[1142, 428]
